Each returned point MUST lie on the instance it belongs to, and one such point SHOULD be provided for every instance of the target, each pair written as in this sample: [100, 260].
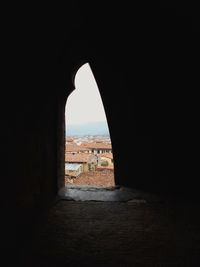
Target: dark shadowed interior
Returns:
[145, 62]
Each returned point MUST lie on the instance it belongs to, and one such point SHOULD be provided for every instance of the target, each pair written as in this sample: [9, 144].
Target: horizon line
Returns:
[78, 123]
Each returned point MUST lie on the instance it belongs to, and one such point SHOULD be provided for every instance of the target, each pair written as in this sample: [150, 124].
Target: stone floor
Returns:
[110, 194]
[152, 232]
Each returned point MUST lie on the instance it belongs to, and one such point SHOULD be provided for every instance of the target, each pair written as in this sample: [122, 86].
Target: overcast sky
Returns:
[84, 104]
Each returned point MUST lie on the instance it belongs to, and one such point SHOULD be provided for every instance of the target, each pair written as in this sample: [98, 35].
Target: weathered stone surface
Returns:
[118, 234]
[86, 193]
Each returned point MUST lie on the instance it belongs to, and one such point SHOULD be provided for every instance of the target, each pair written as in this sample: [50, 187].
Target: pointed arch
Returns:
[88, 145]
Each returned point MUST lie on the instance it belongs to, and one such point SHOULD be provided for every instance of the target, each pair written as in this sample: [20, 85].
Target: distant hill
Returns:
[90, 128]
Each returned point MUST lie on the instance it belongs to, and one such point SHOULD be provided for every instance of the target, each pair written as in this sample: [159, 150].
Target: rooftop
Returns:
[107, 155]
[72, 147]
[83, 158]
[72, 166]
[95, 145]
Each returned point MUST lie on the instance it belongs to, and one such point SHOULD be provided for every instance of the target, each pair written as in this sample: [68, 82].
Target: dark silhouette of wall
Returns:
[143, 64]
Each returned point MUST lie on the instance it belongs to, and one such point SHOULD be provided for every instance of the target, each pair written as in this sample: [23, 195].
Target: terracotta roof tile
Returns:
[95, 145]
[72, 147]
[81, 157]
[107, 155]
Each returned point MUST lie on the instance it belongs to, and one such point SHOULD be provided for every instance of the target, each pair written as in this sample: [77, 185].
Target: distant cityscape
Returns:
[88, 129]
[89, 160]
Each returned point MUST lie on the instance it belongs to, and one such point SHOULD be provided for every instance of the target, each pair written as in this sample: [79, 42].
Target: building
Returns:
[98, 147]
[72, 147]
[73, 169]
[106, 157]
[87, 161]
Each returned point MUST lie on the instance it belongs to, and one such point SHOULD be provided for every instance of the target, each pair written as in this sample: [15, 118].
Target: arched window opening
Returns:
[88, 148]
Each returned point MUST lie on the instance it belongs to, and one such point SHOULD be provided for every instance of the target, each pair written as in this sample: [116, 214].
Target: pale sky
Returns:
[84, 104]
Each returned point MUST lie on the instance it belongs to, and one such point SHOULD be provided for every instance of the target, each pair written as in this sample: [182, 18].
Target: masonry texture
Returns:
[141, 232]
[144, 62]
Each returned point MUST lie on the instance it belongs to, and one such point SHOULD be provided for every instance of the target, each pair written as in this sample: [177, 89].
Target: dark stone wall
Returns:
[144, 67]
[29, 179]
